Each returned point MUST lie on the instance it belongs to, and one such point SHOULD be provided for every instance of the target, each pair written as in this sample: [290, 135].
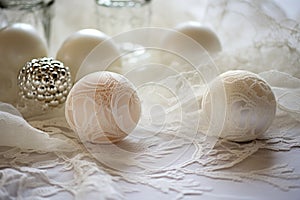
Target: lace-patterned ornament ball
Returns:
[249, 106]
[102, 107]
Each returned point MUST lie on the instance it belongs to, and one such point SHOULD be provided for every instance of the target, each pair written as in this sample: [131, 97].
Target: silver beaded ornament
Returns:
[44, 81]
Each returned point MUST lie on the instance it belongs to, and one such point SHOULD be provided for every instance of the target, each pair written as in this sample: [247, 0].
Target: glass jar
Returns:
[37, 13]
[116, 16]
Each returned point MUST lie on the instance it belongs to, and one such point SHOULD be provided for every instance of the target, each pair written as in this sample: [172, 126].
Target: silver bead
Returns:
[54, 103]
[52, 89]
[61, 88]
[58, 96]
[49, 98]
[65, 93]
[40, 97]
[41, 89]
[29, 95]
[36, 83]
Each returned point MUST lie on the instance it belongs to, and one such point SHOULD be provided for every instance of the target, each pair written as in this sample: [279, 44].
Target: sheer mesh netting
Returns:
[42, 158]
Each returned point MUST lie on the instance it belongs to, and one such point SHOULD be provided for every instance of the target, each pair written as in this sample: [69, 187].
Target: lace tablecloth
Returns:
[174, 161]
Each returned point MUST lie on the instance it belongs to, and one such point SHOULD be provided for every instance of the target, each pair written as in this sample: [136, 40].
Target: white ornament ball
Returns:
[249, 106]
[201, 34]
[19, 43]
[103, 107]
[78, 46]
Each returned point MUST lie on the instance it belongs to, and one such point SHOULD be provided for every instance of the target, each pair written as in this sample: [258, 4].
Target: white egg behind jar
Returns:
[19, 43]
[80, 44]
[206, 37]
[190, 38]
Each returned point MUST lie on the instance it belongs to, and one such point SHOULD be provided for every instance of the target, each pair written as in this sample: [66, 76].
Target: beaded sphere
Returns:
[45, 82]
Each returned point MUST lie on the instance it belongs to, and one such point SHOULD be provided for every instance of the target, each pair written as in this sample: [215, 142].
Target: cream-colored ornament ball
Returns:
[103, 107]
[78, 45]
[19, 43]
[201, 34]
[239, 105]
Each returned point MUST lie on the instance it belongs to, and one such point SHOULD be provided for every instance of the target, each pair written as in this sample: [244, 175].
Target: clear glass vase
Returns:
[116, 16]
[37, 13]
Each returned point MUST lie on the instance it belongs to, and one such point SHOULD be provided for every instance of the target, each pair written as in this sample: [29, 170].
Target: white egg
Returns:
[188, 42]
[19, 43]
[78, 46]
[201, 34]
[102, 107]
[247, 109]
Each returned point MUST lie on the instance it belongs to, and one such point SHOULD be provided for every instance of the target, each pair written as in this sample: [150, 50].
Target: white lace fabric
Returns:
[44, 158]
